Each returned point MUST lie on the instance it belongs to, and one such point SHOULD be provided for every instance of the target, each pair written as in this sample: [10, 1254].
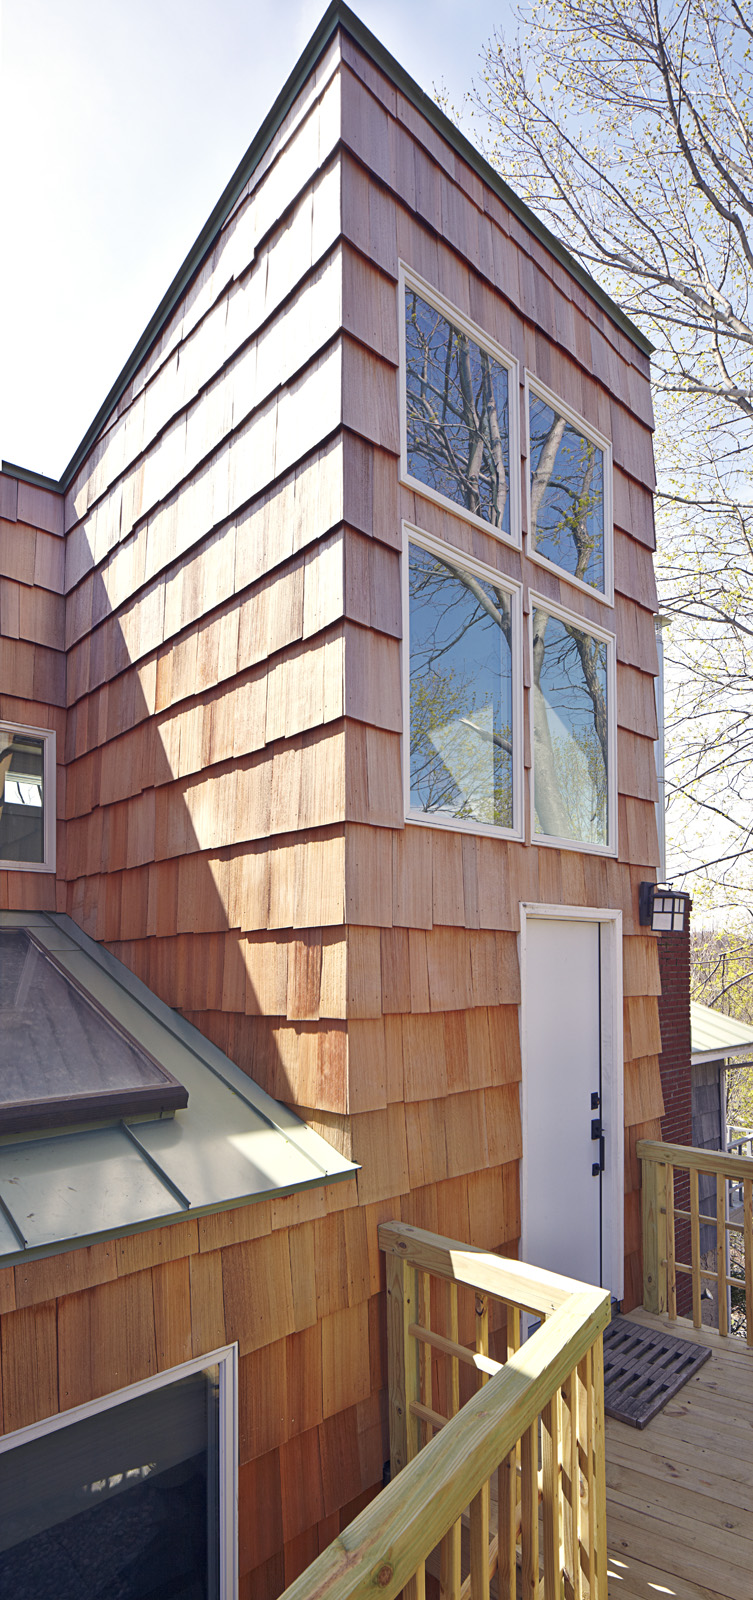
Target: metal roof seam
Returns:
[10, 1219]
[156, 1168]
[256, 1098]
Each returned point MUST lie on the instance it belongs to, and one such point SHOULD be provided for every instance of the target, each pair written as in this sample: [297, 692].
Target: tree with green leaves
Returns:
[628, 127]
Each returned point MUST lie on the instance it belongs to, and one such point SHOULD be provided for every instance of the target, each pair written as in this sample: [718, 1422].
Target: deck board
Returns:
[680, 1492]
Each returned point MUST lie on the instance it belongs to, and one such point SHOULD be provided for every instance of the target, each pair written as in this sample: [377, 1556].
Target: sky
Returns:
[121, 121]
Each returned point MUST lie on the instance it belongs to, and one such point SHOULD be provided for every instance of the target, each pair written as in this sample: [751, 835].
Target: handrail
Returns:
[384, 1546]
[660, 1212]
[693, 1159]
[556, 1375]
[514, 1282]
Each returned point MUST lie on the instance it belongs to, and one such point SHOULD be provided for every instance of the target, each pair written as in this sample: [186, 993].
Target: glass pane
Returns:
[567, 495]
[54, 1043]
[21, 797]
[460, 693]
[570, 731]
[119, 1506]
[457, 414]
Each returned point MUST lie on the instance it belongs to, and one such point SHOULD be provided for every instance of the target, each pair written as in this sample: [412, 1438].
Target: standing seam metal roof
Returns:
[233, 1144]
[714, 1036]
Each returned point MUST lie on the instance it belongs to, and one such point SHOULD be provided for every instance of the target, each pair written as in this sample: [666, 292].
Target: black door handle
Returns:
[597, 1132]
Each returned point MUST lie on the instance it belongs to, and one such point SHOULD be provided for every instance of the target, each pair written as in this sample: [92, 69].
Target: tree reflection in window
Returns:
[570, 731]
[567, 494]
[456, 414]
[460, 693]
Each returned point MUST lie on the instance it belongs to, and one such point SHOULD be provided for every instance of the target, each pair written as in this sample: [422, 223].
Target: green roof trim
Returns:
[27, 475]
[337, 15]
[62, 1188]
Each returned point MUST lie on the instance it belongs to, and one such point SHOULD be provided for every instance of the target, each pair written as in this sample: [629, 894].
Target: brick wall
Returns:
[674, 1064]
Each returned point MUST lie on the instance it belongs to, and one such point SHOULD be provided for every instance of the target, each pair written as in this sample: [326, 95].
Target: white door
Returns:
[561, 1177]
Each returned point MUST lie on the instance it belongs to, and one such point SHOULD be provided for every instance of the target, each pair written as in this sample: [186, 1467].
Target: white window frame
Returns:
[532, 385]
[478, 569]
[226, 1359]
[563, 614]
[49, 798]
[407, 278]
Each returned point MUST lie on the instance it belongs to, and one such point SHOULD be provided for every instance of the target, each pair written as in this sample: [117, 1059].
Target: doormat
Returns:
[644, 1368]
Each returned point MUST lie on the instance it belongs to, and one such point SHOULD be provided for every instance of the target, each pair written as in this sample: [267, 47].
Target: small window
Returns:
[569, 493]
[572, 695]
[27, 798]
[132, 1495]
[459, 417]
[461, 652]
[64, 1058]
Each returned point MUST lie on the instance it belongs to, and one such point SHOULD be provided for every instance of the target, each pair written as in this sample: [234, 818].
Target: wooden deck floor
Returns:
[680, 1493]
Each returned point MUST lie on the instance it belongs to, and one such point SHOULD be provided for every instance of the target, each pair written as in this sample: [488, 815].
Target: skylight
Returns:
[63, 1058]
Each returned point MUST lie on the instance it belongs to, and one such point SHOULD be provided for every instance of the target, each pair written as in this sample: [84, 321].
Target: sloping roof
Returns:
[337, 15]
[233, 1144]
[714, 1036]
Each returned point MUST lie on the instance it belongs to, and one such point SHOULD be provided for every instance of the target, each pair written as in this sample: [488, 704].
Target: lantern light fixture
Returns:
[662, 909]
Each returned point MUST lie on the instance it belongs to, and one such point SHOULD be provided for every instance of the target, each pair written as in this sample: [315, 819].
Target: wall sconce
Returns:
[662, 909]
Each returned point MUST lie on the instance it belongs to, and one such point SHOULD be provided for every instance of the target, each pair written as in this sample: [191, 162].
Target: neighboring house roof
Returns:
[232, 1144]
[337, 15]
[714, 1036]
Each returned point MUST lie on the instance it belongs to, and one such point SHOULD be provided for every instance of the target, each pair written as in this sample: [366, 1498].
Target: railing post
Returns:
[552, 1515]
[654, 1217]
[748, 1256]
[721, 1252]
[599, 1555]
[403, 1371]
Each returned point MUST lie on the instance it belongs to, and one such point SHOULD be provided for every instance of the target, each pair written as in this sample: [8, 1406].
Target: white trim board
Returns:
[533, 385]
[573, 619]
[49, 798]
[444, 551]
[406, 275]
[613, 1100]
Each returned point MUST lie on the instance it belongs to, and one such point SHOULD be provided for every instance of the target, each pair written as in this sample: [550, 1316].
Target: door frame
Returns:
[612, 1085]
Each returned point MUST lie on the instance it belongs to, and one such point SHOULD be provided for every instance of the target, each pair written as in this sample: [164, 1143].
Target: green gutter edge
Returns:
[337, 15]
[26, 475]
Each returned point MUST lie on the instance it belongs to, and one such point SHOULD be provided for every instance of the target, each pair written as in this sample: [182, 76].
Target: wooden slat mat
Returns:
[644, 1368]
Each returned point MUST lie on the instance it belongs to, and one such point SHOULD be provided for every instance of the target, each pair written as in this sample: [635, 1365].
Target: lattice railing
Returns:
[498, 1464]
[660, 1162]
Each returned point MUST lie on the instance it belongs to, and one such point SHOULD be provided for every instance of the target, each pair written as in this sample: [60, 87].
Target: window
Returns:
[462, 685]
[459, 412]
[569, 493]
[27, 798]
[64, 1057]
[573, 729]
[132, 1495]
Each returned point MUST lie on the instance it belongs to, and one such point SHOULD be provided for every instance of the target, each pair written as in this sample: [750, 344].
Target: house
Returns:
[718, 1043]
[327, 732]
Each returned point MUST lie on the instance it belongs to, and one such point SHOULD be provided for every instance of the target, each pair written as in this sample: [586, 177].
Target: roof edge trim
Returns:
[722, 1053]
[337, 15]
[27, 475]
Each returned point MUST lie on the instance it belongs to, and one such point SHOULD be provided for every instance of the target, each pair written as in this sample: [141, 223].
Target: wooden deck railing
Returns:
[739, 1143]
[660, 1162]
[526, 1449]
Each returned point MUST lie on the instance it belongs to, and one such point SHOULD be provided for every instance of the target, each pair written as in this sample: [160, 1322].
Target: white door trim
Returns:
[613, 1103]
